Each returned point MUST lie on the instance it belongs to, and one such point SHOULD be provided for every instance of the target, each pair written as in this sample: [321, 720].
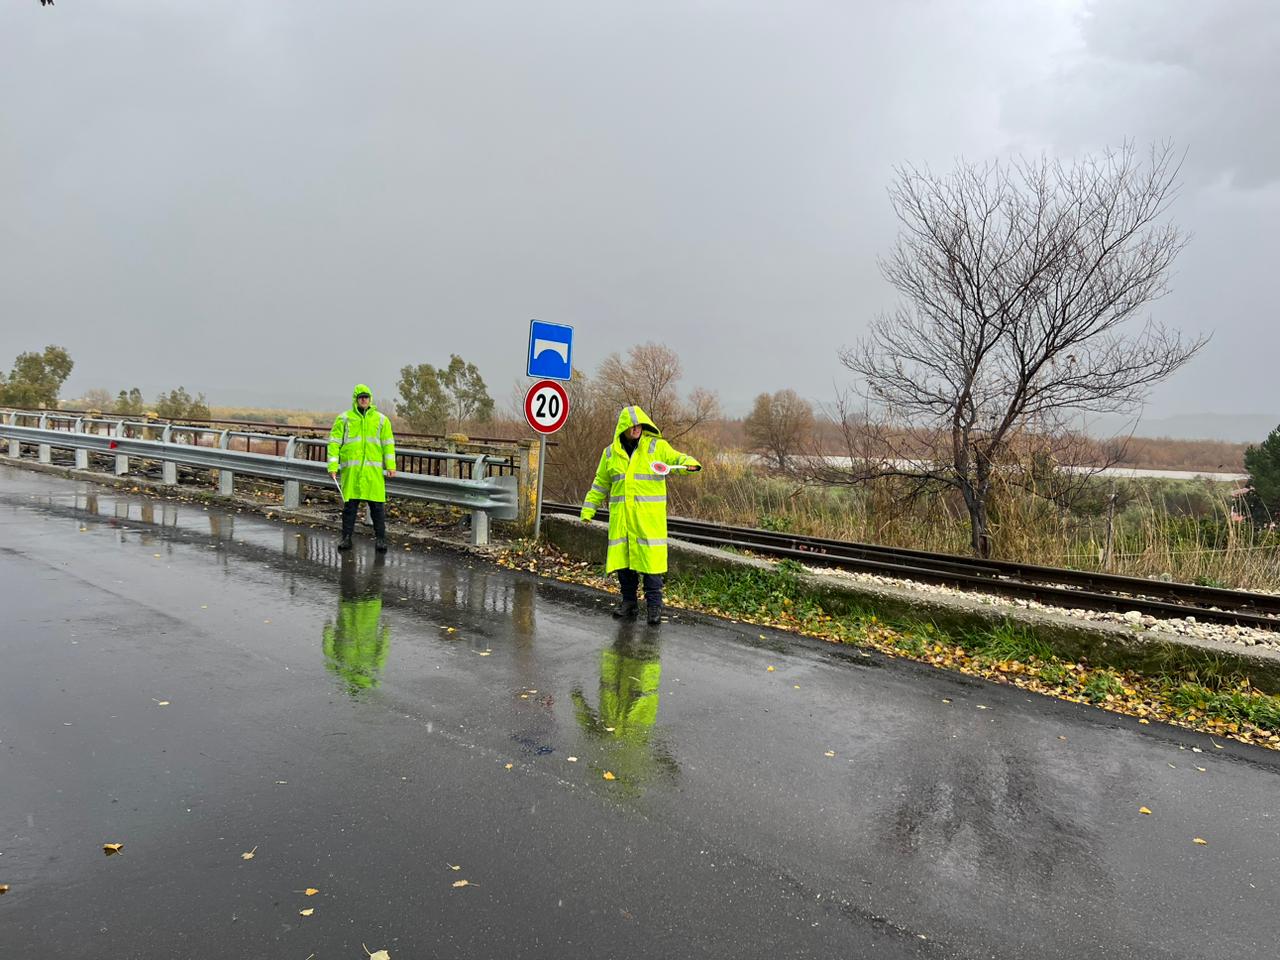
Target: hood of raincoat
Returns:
[358, 389]
[629, 417]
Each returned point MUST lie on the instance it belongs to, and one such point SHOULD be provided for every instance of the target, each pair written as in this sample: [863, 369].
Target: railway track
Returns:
[1055, 586]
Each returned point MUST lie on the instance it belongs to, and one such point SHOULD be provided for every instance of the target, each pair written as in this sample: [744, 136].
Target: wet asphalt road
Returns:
[354, 722]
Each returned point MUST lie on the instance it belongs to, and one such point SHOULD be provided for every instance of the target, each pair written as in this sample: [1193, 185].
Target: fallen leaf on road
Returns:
[1216, 745]
[453, 867]
[1203, 843]
[509, 766]
[156, 555]
[770, 669]
[310, 891]
[485, 653]
[946, 699]
[982, 706]
[829, 753]
[608, 729]
[1144, 720]
[1196, 750]
[451, 630]
[380, 954]
[110, 848]
[161, 703]
[4, 888]
[249, 855]
[1144, 810]
[1201, 769]
[608, 775]
[573, 759]
[797, 686]
[465, 883]
[307, 912]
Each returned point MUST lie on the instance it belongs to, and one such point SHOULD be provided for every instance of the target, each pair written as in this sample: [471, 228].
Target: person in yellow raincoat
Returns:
[363, 450]
[356, 644]
[632, 475]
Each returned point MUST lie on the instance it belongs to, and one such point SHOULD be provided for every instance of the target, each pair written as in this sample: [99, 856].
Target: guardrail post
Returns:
[15, 448]
[168, 468]
[479, 528]
[479, 519]
[226, 478]
[292, 488]
[528, 465]
[452, 468]
[46, 451]
[82, 455]
[122, 462]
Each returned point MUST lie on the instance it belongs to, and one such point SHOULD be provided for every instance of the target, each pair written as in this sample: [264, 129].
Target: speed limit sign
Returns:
[546, 406]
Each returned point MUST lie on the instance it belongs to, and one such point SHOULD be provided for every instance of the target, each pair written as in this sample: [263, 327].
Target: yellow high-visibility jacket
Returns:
[637, 495]
[361, 446]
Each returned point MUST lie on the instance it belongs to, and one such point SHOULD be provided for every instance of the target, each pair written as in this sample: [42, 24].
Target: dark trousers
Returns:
[351, 510]
[629, 582]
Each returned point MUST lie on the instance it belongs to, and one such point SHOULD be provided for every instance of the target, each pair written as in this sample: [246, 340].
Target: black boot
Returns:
[626, 610]
[345, 542]
[654, 613]
[380, 545]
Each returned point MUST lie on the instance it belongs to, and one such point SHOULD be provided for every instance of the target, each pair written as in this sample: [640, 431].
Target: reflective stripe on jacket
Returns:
[636, 495]
[361, 446]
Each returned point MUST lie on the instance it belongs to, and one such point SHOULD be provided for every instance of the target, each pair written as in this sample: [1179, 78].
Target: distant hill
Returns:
[1235, 428]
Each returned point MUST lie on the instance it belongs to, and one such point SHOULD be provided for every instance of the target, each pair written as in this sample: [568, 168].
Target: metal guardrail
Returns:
[488, 498]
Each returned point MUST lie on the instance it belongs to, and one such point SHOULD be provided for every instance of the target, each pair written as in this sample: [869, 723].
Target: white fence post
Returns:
[82, 455]
[122, 462]
[226, 478]
[168, 468]
[292, 488]
[15, 448]
[46, 451]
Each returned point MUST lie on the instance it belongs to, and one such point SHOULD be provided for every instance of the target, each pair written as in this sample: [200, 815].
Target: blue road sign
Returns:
[550, 351]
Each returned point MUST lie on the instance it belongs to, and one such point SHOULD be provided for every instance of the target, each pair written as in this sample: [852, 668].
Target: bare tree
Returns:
[779, 425]
[648, 377]
[1018, 280]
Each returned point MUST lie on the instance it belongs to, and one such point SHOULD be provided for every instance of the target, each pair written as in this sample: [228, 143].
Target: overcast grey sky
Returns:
[268, 200]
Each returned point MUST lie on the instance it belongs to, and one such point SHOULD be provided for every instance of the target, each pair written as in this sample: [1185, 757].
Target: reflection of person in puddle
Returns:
[630, 674]
[357, 643]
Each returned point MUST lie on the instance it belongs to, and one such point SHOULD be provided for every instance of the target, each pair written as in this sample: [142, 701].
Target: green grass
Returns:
[1103, 684]
[1054, 674]
[1255, 708]
[1008, 641]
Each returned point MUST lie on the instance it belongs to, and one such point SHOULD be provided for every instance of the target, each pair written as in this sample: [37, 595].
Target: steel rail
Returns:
[1091, 591]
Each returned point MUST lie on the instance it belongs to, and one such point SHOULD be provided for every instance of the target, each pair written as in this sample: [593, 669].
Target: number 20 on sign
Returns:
[546, 406]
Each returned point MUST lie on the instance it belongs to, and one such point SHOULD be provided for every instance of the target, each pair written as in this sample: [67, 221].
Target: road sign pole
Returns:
[542, 475]
[546, 407]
